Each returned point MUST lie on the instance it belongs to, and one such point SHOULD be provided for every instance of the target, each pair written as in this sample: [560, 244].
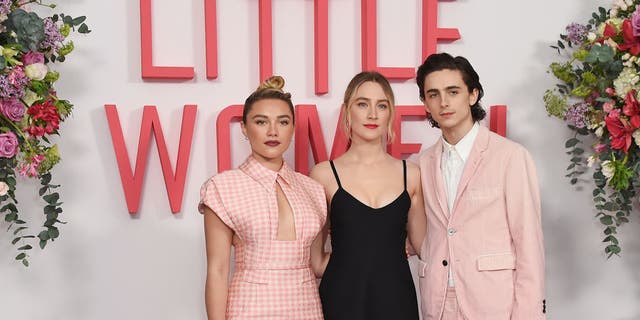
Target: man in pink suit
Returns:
[483, 256]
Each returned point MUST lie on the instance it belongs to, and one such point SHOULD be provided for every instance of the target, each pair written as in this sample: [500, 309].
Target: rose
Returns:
[4, 188]
[8, 145]
[12, 109]
[36, 71]
[32, 57]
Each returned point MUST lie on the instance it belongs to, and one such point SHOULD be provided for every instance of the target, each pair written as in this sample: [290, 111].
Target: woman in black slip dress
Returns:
[375, 203]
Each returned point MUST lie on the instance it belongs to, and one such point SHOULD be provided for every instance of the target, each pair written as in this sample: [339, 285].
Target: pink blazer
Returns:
[492, 241]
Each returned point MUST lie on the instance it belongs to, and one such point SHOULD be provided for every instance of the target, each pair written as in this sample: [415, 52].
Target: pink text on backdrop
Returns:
[431, 35]
[308, 136]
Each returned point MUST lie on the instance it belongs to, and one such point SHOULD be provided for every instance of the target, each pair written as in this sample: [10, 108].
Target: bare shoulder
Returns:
[321, 172]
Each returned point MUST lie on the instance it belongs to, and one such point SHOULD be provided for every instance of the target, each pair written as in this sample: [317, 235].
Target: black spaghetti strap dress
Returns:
[368, 275]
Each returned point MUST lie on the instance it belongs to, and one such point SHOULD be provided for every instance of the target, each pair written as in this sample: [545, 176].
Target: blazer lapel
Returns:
[475, 157]
[438, 182]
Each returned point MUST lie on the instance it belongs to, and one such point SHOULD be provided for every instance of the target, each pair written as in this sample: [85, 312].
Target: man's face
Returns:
[448, 100]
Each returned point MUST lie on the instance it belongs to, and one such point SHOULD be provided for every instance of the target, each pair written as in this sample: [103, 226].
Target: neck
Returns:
[454, 135]
[366, 152]
[273, 164]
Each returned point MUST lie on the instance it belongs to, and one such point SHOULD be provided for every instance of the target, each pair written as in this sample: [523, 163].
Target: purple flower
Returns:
[13, 84]
[576, 115]
[32, 57]
[12, 109]
[52, 35]
[576, 33]
[5, 7]
[635, 22]
[8, 145]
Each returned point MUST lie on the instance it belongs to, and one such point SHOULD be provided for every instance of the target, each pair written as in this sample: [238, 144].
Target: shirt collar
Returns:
[265, 176]
[464, 146]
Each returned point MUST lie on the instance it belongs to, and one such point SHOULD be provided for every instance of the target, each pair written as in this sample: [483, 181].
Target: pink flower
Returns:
[610, 91]
[607, 107]
[615, 113]
[600, 147]
[32, 57]
[31, 169]
[8, 144]
[12, 109]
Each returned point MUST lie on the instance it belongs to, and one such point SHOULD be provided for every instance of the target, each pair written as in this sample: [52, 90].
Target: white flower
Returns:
[36, 71]
[636, 136]
[627, 80]
[599, 132]
[629, 2]
[591, 36]
[608, 170]
[4, 188]
[30, 97]
[626, 56]
[591, 160]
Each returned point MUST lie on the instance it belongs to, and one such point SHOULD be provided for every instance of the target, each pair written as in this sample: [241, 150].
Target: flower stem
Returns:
[26, 140]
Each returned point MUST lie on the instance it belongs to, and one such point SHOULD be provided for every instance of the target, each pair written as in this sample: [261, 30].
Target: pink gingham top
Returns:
[272, 278]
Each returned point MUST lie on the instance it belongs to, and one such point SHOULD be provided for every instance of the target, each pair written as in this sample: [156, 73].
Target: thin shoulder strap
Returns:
[404, 168]
[335, 173]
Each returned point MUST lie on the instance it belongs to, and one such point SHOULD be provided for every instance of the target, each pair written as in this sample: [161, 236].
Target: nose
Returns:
[444, 101]
[373, 113]
[272, 131]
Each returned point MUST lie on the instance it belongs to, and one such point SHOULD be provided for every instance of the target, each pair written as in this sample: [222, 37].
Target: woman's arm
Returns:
[417, 224]
[319, 257]
[218, 238]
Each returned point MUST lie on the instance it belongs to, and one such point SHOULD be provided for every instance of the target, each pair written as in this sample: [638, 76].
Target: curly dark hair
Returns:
[442, 61]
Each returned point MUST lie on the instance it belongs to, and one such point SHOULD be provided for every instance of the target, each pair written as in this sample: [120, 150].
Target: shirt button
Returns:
[451, 231]
[444, 263]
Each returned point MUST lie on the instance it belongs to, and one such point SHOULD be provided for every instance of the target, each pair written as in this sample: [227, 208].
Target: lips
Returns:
[446, 114]
[272, 143]
[371, 126]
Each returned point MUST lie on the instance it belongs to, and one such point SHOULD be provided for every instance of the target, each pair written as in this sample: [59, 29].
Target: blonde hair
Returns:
[354, 84]
[270, 88]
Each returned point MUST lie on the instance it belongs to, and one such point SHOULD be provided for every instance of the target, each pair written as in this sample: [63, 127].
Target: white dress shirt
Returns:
[454, 158]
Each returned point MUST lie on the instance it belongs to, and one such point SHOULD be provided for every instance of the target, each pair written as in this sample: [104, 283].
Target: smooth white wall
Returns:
[110, 265]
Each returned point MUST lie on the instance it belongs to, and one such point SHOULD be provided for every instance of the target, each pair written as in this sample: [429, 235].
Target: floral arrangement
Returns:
[598, 97]
[31, 112]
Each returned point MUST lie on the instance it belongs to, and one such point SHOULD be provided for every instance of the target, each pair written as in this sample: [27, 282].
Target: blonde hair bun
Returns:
[272, 83]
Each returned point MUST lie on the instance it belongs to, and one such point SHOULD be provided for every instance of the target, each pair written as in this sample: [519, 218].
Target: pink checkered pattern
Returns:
[273, 278]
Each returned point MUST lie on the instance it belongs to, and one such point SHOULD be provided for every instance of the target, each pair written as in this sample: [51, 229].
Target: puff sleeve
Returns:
[210, 197]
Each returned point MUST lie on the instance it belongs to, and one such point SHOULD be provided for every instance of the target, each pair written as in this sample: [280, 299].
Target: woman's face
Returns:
[269, 128]
[369, 112]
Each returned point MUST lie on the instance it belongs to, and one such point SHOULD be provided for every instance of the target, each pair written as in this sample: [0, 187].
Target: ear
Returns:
[473, 97]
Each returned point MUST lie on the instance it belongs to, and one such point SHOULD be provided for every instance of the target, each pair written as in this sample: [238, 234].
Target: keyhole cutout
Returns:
[286, 222]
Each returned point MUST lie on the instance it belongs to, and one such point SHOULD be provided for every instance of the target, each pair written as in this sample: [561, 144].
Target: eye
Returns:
[454, 92]
[432, 95]
[383, 106]
[284, 122]
[362, 104]
[260, 122]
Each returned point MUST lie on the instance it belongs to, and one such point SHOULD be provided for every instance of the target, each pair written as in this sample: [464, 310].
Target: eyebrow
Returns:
[367, 99]
[262, 116]
[447, 88]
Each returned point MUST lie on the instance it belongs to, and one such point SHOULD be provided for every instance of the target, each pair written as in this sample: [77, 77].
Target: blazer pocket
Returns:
[498, 261]
[482, 193]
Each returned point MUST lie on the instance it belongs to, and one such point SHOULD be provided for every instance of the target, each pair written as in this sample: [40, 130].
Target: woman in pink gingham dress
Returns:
[271, 215]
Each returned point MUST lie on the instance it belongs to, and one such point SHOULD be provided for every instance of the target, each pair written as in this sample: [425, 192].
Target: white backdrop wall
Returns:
[108, 264]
